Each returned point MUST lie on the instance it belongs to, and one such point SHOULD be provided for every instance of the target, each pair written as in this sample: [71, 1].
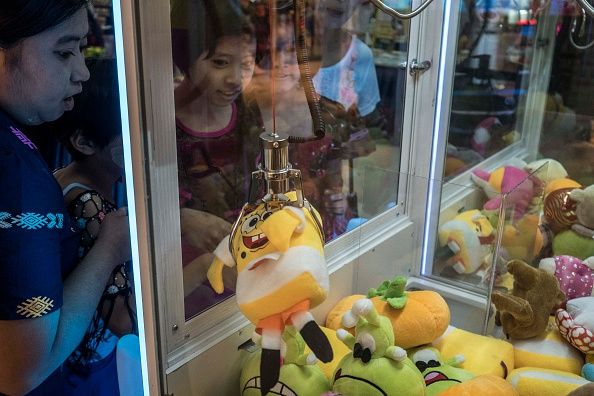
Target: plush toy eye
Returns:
[249, 224]
[421, 366]
[266, 215]
[425, 358]
[367, 341]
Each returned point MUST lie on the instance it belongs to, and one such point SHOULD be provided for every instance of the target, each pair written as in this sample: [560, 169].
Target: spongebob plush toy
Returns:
[279, 254]
[376, 366]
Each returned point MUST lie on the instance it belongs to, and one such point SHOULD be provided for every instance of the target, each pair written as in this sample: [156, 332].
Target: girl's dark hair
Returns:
[96, 113]
[20, 19]
[198, 25]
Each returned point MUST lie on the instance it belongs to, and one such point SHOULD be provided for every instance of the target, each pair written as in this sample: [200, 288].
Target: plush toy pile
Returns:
[394, 341]
[547, 314]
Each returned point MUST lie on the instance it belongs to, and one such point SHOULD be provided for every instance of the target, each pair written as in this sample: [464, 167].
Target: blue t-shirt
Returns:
[38, 248]
[352, 81]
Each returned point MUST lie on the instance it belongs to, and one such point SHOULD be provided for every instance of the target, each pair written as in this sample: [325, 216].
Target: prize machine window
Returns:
[520, 140]
[328, 74]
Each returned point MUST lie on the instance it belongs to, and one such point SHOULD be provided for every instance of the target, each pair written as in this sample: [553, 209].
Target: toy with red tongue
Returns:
[282, 274]
[439, 375]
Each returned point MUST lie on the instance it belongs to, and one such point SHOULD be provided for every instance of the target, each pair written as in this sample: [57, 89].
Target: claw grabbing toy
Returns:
[376, 366]
[277, 245]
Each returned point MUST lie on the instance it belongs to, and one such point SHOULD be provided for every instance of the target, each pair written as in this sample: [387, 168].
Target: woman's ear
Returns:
[82, 144]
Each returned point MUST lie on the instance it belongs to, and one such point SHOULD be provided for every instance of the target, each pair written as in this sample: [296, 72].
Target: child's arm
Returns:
[88, 208]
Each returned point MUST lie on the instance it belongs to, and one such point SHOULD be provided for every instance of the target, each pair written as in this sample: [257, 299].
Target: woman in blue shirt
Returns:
[46, 299]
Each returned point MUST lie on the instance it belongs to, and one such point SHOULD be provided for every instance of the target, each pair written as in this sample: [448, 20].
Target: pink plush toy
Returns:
[481, 136]
[576, 277]
[506, 180]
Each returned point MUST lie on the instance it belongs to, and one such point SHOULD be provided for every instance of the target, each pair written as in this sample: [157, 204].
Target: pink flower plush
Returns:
[576, 277]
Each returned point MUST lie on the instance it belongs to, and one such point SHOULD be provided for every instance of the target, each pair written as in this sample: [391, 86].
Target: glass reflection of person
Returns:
[92, 134]
[47, 298]
[318, 159]
[348, 86]
[347, 73]
[216, 130]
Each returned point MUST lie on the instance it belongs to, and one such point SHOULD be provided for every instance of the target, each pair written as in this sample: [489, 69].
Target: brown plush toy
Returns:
[525, 312]
[585, 390]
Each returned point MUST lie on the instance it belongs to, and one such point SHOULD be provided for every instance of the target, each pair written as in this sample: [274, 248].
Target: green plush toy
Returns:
[392, 292]
[570, 243]
[299, 375]
[376, 366]
[439, 375]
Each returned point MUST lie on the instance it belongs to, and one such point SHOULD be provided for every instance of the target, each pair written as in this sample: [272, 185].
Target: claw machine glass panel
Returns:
[519, 104]
[240, 69]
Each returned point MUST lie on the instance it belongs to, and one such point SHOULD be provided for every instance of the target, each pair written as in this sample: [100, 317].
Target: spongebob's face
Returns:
[477, 222]
[483, 227]
[249, 242]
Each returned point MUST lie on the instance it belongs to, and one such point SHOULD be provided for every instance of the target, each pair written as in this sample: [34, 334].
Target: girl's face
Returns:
[286, 70]
[40, 76]
[223, 76]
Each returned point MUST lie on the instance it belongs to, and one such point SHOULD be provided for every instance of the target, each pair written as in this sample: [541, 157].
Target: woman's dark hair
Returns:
[20, 19]
[198, 25]
[96, 113]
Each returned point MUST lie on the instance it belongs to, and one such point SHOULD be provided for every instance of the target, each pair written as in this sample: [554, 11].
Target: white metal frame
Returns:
[126, 56]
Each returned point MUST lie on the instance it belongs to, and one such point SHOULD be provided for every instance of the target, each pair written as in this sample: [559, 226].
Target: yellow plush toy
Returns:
[469, 236]
[483, 355]
[282, 274]
[530, 381]
[339, 351]
[549, 351]
[485, 385]
[524, 240]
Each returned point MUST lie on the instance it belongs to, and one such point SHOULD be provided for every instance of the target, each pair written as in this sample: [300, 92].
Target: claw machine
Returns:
[445, 126]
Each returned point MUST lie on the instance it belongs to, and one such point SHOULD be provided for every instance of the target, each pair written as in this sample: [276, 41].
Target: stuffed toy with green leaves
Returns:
[299, 374]
[438, 374]
[376, 366]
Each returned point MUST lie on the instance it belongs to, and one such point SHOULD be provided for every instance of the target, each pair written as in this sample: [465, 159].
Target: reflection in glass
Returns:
[466, 239]
[519, 78]
[236, 74]
[216, 130]
[493, 66]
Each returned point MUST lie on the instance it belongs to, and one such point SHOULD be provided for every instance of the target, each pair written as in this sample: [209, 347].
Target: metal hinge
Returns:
[417, 68]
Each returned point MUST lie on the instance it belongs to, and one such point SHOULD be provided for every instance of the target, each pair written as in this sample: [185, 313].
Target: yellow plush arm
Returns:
[215, 271]
[281, 225]
[215, 275]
